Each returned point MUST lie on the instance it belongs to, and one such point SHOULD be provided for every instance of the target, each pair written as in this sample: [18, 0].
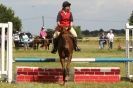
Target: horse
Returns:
[65, 51]
[44, 43]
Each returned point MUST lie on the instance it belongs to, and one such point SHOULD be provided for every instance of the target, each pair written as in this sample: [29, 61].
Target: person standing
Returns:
[25, 40]
[110, 37]
[65, 20]
[102, 40]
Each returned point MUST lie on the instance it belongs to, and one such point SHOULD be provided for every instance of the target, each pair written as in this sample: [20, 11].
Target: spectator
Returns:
[110, 37]
[25, 40]
[102, 40]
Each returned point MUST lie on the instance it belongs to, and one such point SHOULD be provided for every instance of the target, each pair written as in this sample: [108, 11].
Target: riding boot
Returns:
[76, 48]
[55, 45]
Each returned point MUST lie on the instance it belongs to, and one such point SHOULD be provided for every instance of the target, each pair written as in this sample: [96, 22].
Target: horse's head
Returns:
[62, 30]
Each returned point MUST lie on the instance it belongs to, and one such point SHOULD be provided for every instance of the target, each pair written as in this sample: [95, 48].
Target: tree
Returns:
[50, 30]
[101, 30]
[50, 33]
[131, 19]
[85, 33]
[8, 15]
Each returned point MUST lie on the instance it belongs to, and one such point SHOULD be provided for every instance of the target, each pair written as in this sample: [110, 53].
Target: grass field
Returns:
[89, 49]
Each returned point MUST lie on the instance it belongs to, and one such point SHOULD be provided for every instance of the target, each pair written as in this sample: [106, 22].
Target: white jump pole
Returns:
[128, 27]
[10, 52]
[3, 48]
[6, 57]
[127, 53]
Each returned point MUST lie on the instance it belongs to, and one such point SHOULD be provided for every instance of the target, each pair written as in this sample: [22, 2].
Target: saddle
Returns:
[62, 29]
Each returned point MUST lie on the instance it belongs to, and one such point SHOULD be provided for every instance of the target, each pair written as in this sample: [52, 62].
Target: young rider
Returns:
[65, 19]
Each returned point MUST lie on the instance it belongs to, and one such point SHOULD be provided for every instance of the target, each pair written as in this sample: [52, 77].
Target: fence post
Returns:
[6, 60]
[10, 53]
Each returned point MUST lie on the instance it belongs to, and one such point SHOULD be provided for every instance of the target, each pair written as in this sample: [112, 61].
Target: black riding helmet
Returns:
[65, 4]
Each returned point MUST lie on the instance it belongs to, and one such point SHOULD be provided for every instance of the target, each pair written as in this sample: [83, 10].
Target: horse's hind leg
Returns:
[37, 46]
[63, 69]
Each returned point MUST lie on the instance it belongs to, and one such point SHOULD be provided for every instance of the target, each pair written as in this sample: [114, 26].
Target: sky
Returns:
[89, 14]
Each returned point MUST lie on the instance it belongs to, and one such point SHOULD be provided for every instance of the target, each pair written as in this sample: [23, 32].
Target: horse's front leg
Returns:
[68, 68]
[62, 60]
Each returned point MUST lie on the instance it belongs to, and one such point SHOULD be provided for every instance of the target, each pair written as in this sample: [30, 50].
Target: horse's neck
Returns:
[65, 44]
[66, 38]
[65, 35]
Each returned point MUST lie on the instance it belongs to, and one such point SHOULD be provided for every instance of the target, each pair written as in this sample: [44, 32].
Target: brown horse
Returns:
[44, 42]
[65, 51]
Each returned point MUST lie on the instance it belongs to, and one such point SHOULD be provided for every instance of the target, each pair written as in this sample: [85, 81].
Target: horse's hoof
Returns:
[67, 78]
[62, 83]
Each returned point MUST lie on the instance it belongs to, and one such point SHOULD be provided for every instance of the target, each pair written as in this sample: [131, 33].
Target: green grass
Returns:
[89, 49]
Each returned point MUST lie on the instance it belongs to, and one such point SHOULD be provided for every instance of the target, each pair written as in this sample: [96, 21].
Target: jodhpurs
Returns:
[72, 31]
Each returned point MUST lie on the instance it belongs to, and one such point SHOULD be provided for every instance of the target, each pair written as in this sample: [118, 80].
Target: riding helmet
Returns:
[65, 4]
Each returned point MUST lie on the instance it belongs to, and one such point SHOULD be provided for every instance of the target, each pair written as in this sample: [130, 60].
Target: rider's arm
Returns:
[58, 19]
[71, 19]
[58, 23]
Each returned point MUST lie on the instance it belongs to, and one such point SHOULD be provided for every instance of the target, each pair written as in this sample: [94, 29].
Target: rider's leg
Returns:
[73, 32]
[55, 42]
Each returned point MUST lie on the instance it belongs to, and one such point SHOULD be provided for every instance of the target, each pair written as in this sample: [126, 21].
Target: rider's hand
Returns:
[71, 24]
[58, 23]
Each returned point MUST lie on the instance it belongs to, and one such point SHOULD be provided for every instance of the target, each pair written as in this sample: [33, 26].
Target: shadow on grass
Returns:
[126, 79]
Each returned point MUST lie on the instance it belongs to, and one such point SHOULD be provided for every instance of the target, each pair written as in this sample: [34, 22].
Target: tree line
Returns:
[95, 33]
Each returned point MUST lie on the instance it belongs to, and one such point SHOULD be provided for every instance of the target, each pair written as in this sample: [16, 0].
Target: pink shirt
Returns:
[43, 33]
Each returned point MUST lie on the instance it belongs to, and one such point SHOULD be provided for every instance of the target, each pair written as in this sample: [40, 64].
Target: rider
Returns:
[65, 19]
[43, 34]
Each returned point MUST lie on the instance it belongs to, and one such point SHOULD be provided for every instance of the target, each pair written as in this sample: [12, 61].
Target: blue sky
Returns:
[89, 14]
